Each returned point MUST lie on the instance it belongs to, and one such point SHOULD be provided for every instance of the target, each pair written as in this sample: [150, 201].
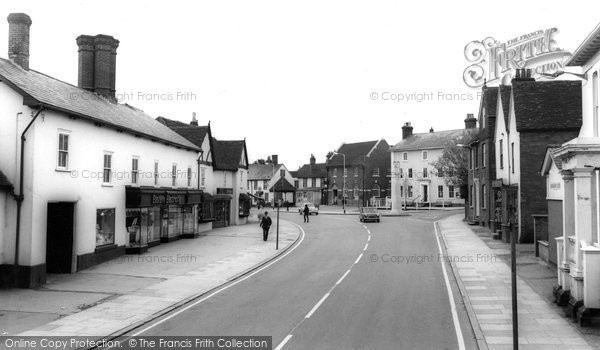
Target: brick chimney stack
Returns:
[18, 39]
[194, 121]
[274, 159]
[313, 161]
[522, 74]
[471, 121]
[407, 130]
[98, 64]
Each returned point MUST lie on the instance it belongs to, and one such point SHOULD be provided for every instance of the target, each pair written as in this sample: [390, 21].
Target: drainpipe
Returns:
[19, 197]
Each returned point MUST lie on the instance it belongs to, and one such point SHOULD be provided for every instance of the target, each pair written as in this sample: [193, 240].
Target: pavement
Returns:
[133, 289]
[482, 268]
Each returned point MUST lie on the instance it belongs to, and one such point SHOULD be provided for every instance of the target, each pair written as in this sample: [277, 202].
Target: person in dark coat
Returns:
[265, 223]
[306, 212]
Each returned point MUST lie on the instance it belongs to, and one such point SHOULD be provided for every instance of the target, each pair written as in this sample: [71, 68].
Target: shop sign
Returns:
[222, 190]
[166, 199]
[491, 60]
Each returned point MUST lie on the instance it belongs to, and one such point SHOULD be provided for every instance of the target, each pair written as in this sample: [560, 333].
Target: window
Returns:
[440, 173]
[501, 148]
[483, 155]
[106, 176]
[282, 173]
[376, 192]
[134, 170]
[405, 156]
[410, 174]
[105, 227]
[203, 178]
[355, 171]
[334, 172]
[155, 173]
[409, 191]
[440, 191]
[63, 151]
[401, 191]
[375, 172]
[483, 196]
[450, 191]
[512, 157]
[425, 173]
[189, 177]
[401, 173]
[425, 155]
[174, 175]
[304, 182]
[476, 156]
[265, 184]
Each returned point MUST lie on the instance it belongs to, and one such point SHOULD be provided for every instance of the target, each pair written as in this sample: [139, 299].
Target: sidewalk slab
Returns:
[487, 281]
[132, 289]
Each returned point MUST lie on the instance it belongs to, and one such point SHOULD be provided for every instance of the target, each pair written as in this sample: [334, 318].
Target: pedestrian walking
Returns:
[265, 223]
[306, 212]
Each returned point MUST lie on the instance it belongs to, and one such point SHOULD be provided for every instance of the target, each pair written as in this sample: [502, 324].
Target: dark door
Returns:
[221, 213]
[59, 237]
[425, 193]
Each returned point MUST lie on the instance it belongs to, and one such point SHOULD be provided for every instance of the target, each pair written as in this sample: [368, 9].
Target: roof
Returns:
[4, 183]
[547, 105]
[505, 100]
[318, 170]
[193, 133]
[354, 153]
[547, 163]
[282, 185]
[39, 89]
[294, 174]
[262, 171]
[587, 49]
[227, 155]
[433, 140]
[490, 102]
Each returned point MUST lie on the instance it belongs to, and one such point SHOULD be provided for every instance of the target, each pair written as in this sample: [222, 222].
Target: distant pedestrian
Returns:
[265, 223]
[306, 212]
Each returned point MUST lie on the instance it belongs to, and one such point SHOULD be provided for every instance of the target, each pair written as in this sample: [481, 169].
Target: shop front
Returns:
[155, 216]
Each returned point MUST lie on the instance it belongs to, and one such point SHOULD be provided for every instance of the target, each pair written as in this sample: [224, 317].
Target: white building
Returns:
[415, 182]
[91, 177]
[265, 181]
[578, 250]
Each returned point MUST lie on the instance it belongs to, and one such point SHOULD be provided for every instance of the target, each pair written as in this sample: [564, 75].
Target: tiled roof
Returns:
[433, 140]
[194, 134]
[38, 88]
[4, 183]
[227, 155]
[547, 105]
[313, 171]
[294, 174]
[354, 153]
[490, 102]
[282, 185]
[505, 98]
[261, 171]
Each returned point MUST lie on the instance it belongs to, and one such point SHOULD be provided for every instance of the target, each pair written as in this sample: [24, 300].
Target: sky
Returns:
[294, 78]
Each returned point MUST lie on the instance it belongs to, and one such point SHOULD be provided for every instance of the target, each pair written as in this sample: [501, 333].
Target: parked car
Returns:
[369, 214]
[311, 209]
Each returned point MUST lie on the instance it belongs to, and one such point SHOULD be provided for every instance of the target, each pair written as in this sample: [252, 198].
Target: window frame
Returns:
[135, 170]
[67, 133]
[107, 171]
[424, 155]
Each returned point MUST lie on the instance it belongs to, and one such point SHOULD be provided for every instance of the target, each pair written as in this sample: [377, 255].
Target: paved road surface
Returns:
[341, 289]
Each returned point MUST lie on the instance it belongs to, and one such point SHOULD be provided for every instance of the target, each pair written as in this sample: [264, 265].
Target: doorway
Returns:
[425, 193]
[59, 237]
[222, 212]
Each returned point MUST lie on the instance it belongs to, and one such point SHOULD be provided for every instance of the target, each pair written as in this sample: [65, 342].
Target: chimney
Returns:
[407, 130]
[471, 121]
[313, 161]
[431, 129]
[194, 121]
[18, 39]
[274, 159]
[523, 75]
[98, 64]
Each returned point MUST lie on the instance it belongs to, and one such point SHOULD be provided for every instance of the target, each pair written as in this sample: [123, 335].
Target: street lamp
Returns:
[344, 186]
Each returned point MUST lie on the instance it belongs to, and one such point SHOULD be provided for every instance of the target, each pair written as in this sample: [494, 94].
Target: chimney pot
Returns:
[471, 121]
[97, 64]
[431, 129]
[18, 38]
[194, 120]
[407, 130]
[313, 161]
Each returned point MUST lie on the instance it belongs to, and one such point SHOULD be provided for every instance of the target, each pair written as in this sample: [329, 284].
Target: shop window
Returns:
[206, 212]
[188, 220]
[245, 202]
[134, 170]
[154, 224]
[136, 223]
[106, 176]
[63, 151]
[440, 191]
[105, 227]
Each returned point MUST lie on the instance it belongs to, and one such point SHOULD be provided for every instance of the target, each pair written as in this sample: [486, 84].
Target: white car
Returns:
[311, 209]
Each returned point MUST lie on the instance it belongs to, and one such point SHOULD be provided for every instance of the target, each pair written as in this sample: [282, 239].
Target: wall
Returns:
[587, 97]
[555, 227]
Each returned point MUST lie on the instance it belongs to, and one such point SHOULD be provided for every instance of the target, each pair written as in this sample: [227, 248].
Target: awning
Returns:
[4, 183]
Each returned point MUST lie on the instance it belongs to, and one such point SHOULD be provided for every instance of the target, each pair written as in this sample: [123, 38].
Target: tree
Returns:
[454, 163]
[259, 161]
[329, 154]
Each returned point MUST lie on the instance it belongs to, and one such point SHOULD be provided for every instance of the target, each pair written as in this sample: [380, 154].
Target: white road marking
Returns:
[224, 288]
[366, 246]
[342, 278]
[369, 239]
[459, 335]
[317, 306]
[283, 342]
[358, 259]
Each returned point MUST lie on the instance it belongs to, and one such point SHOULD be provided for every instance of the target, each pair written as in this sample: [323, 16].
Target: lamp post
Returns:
[344, 185]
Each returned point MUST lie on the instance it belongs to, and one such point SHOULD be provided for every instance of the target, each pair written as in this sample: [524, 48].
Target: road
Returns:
[346, 286]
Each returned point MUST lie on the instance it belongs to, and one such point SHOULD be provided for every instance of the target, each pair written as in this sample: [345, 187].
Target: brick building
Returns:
[311, 180]
[367, 173]
[536, 115]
